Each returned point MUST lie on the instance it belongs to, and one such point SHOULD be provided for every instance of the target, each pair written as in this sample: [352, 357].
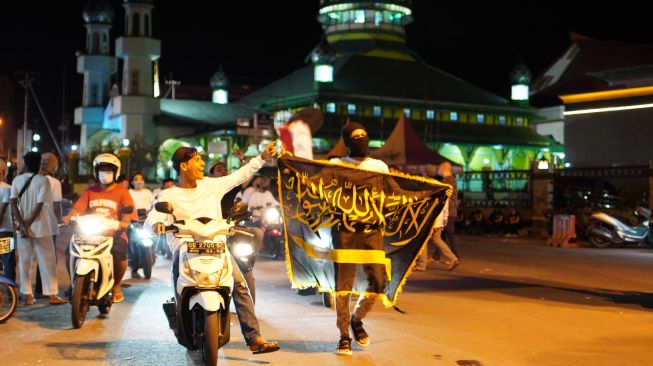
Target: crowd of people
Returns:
[30, 210]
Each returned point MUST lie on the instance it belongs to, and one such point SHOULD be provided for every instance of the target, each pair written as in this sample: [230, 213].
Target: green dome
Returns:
[98, 11]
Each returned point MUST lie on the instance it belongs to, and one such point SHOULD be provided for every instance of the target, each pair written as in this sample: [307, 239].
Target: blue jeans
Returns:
[9, 259]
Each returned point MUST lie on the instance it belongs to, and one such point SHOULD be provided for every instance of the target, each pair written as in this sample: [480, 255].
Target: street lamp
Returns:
[73, 148]
[35, 149]
[125, 142]
[36, 137]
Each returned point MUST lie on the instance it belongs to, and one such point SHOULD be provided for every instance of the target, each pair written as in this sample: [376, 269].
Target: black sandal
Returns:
[361, 337]
[344, 346]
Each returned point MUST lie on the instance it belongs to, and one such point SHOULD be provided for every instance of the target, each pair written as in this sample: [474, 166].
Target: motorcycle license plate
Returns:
[205, 247]
[5, 245]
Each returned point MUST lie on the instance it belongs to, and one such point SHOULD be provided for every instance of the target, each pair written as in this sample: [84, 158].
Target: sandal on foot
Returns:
[29, 300]
[344, 346]
[361, 337]
[259, 345]
[118, 297]
[56, 300]
[453, 265]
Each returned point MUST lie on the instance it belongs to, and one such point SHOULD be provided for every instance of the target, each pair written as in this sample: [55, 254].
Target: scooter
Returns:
[272, 224]
[143, 245]
[607, 231]
[199, 312]
[91, 264]
[8, 288]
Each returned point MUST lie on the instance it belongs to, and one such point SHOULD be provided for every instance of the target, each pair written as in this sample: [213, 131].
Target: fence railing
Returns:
[496, 188]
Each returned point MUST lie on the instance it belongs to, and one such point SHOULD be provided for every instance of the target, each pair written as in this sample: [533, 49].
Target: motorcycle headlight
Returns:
[272, 216]
[147, 242]
[207, 279]
[91, 225]
[142, 234]
[243, 249]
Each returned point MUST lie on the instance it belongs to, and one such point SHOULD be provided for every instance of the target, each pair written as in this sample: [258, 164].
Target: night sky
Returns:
[259, 41]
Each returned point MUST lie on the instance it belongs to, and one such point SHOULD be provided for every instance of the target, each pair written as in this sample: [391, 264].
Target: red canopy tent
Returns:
[404, 149]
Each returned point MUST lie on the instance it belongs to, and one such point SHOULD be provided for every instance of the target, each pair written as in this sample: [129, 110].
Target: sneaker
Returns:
[361, 337]
[344, 346]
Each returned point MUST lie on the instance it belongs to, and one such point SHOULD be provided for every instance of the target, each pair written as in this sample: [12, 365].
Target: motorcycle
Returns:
[91, 264]
[272, 224]
[198, 314]
[606, 231]
[8, 288]
[143, 245]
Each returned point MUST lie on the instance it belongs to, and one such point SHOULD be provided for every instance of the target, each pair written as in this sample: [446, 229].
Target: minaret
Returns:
[520, 79]
[370, 28]
[220, 87]
[97, 65]
[137, 107]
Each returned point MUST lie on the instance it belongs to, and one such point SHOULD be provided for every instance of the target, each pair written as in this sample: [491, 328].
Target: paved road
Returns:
[511, 302]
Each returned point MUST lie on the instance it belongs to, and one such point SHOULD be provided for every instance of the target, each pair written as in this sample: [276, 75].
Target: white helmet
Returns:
[107, 159]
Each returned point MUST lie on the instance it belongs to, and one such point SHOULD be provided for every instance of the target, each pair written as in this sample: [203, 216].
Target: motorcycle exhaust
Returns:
[605, 234]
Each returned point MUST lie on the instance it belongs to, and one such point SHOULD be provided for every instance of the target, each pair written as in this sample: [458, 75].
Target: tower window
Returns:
[147, 25]
[502, 120]
[407, 112]
[136, 25]
[430, 114]
[520, 121]
[351, 108]
[480, 118]
[359, 16]
[331, 107]
[453, 116]
[376, 110]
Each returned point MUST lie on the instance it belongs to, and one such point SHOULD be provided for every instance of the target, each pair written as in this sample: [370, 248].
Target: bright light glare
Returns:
[35, 149]
[125, 142]
[73, 148]
[543, 165]
[609, 109]
[90, 225]
[519, 92]
[323, 73]
[36, 137]
[272, 215]
[220, 96]
[243, 249]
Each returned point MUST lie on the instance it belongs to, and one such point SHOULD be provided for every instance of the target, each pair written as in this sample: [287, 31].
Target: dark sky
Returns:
[262, 40]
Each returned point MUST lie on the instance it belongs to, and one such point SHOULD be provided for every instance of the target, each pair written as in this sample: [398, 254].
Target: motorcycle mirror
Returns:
[164, 207]
[238, 211]
[127, 209]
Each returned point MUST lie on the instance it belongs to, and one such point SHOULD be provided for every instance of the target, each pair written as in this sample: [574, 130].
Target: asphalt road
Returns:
[510, 302]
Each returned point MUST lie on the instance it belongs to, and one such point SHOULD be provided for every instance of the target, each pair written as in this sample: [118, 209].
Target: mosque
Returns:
[362, 69]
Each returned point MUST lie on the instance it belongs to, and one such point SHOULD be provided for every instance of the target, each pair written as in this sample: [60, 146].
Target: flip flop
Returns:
[265, 347]
[119, 297]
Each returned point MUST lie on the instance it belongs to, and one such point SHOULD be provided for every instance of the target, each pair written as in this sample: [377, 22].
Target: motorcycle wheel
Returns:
[79, 301]
[597, 241]
[8, 301]
[148, 262]
[209, 345]
[327, 299]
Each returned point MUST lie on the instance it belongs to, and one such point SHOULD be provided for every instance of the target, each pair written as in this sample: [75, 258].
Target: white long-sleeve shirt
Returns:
[201, 201]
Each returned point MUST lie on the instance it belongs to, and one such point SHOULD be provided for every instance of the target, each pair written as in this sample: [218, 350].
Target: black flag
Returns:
[317, 196]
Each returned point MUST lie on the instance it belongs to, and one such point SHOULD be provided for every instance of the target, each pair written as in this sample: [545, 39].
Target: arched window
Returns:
[136, 25]
[105, 44]
[147, 25]
[95, 41]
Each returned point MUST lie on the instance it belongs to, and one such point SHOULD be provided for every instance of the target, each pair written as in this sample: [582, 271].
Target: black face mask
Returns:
[359, 147]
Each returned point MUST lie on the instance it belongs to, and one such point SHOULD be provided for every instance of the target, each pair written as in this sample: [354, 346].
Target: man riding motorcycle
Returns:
[197, 196]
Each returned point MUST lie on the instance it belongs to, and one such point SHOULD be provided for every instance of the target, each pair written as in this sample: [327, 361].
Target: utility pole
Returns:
[26, 83]
[173, 84]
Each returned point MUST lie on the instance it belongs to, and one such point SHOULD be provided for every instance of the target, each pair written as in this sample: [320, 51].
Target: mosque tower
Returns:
[136, 107]
[97, 65]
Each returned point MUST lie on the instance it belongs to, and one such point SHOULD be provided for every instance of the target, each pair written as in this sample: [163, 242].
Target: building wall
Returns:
[609, 139]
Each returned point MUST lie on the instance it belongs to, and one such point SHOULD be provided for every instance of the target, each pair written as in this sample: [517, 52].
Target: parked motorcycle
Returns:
[199, 312]
[607, 231]
[142, 244]
[91, 264]
[8, 288]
